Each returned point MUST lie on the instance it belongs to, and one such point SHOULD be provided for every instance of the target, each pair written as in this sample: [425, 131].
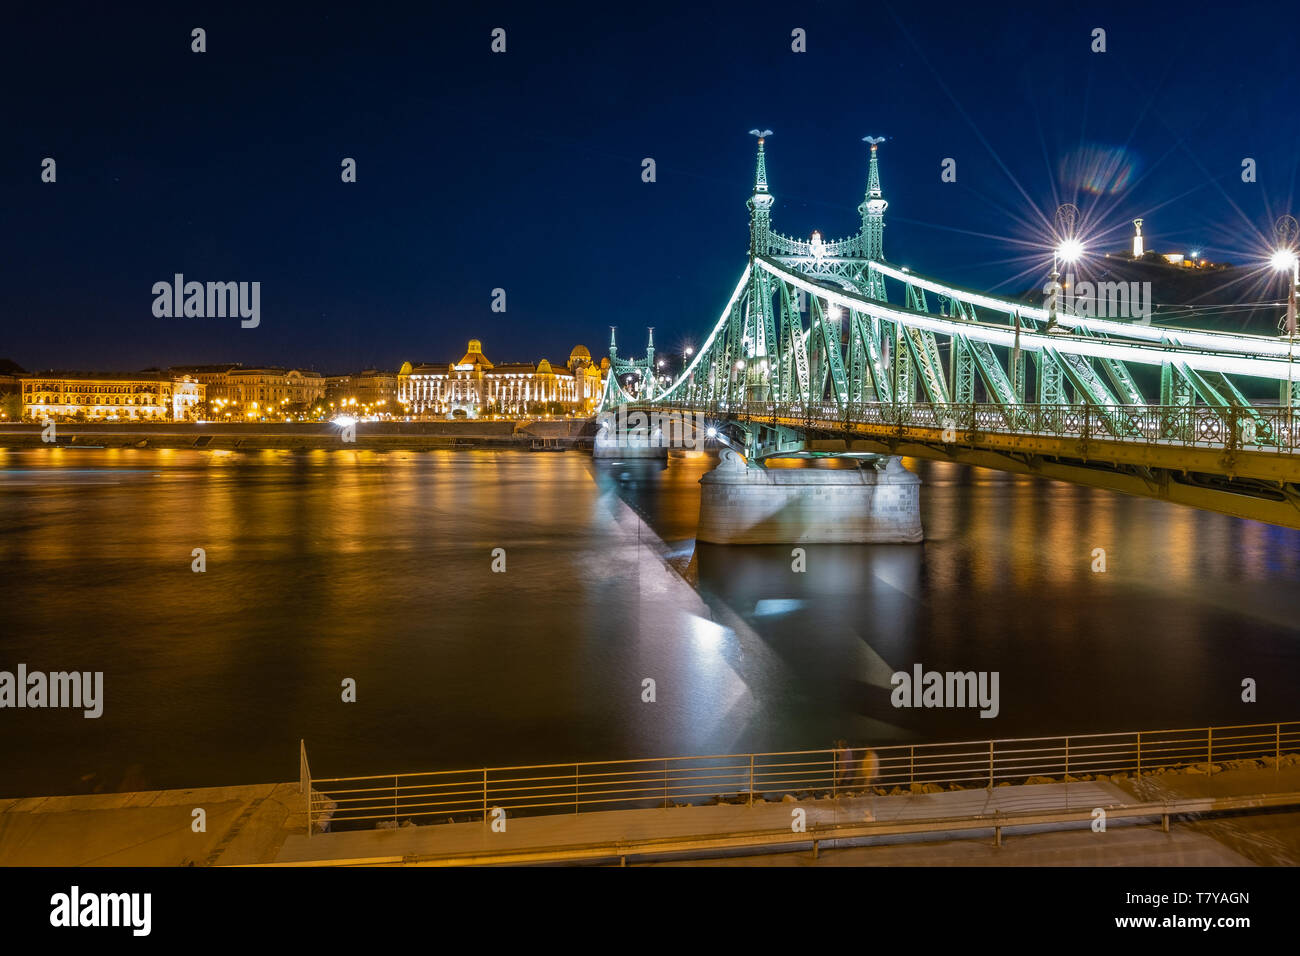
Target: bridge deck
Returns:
[1212, 468]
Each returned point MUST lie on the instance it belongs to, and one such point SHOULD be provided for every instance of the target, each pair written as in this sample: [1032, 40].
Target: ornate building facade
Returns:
[270, 387]
[101, 396]
[274, 386]
[475, 387]
[372, 391]
[215, 378]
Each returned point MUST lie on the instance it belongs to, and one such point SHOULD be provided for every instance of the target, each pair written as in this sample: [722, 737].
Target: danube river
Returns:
[326, 566]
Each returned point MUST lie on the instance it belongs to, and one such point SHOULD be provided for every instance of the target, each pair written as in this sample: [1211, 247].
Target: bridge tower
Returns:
[872, 208]
[760, 203]
[643, 369]
[651, 372]
[622, 435]
[757, 333]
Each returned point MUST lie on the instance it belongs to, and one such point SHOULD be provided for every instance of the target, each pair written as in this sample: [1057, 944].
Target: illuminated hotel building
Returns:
[475, 387]
[100, 396]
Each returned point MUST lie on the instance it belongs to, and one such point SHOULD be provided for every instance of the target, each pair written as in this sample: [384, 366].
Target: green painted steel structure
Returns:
[821, 331]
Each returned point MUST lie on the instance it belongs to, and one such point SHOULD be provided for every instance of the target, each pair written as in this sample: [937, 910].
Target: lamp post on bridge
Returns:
[1284, 259]
[1067, 250]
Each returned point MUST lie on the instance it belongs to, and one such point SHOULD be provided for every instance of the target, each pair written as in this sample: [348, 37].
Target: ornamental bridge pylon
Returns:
[825, 349]
[641, 372]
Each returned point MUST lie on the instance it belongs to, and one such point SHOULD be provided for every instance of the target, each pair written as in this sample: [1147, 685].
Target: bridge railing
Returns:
[1266, 428]
[467, 795]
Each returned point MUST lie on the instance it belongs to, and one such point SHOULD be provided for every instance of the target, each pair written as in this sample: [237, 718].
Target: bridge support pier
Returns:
[625, 443]
[744, 504]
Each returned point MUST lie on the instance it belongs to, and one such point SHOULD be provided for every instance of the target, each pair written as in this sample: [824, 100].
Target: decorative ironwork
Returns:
[831, 333]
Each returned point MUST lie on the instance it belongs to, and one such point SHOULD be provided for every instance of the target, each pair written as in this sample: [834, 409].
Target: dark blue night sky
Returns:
[523, 170]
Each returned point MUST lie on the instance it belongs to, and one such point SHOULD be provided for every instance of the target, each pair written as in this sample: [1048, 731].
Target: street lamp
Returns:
[1068, 250]
[1284, 259]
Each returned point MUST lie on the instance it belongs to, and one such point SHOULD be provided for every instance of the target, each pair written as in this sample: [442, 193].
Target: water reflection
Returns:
[325, 565]
[1189, 604]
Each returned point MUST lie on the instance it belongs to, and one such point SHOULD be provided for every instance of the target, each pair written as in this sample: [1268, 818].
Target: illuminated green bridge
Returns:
[826, 349]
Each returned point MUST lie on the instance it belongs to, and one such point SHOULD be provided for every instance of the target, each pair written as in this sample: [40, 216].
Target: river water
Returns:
[325, 566]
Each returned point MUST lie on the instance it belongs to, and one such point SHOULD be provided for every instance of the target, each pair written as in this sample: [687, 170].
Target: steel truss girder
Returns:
[963, 370]
[794, 342]
[924, 351]
[825, 334]
[994, 375]
[901, 360]
[846, 362]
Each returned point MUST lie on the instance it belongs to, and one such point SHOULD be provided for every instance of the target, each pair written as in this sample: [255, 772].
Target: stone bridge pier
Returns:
[627, 436]
[636, 433]
[878, 502]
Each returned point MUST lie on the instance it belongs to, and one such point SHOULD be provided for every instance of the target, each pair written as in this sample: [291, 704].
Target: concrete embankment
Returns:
[267, 825]
[152, 828]
[307, 436]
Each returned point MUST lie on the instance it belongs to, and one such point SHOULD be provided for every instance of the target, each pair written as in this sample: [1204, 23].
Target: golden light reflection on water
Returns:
[378, 566]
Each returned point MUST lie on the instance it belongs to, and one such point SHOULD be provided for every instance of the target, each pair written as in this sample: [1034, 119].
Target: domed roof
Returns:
[604, 364]
[543, 366]
[474, 355]
[579, 354]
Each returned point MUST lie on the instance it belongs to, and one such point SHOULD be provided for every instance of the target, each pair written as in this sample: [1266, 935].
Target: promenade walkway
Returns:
[266, 825]
[687, 830]
[151, 828]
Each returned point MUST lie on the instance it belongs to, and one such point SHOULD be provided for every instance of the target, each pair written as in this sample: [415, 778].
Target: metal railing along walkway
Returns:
[1273, 429]
[465, 795]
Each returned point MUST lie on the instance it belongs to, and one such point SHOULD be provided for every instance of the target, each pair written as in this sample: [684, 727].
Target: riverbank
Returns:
[267, 825]
[524, 434]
